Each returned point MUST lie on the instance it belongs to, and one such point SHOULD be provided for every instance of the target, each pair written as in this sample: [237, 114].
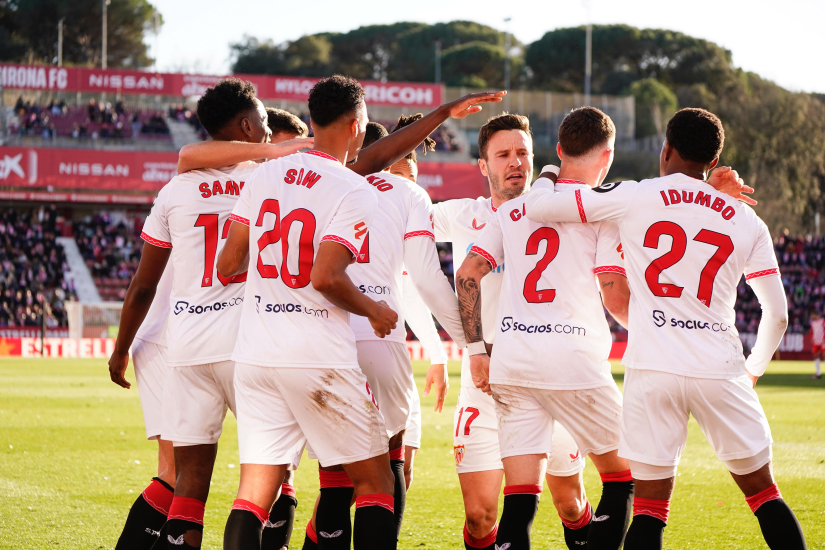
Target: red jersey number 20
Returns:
[280, 232]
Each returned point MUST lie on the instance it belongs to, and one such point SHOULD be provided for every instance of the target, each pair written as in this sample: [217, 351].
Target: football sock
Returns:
[244, 526]
[311, 539]
[374, 523]
[778, 523]
[184, 526]
[400, 496]
[520, 505]
[816, 363]
[278, 529]
[649, 522]
[575, 532]
[332, 519]
[146, 517]
[486, 543]
[612, 515]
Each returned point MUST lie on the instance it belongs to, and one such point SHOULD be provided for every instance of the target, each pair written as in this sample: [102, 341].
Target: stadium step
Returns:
[78, 271]
[182, 133]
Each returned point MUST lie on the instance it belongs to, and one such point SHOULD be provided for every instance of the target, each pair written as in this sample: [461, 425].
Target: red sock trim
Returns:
[760, 498]
[384, 501]
[158, 497]
[287, 489]
[522, 490]
[397, 454]
[651, 507]
[311, 532]
[583, 521]
[473, 542]
[187, 509]
[259, 512]
[334, 479]
[616, 477]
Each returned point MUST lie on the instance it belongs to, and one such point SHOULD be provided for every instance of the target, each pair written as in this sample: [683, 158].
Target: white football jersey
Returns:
[460, 222]
[686, 247]
[404, 212]
[551, 331]
[292, 205]
[191, 216]
[817, 332]
[153, 327]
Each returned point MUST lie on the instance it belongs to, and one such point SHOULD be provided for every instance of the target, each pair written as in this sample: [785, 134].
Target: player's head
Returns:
[505, 145]
[284, 125]
[693, 142]
[407, 167]
[587, 139]
[815, 315]
[229, 111]
[337, 111]
[375, 131]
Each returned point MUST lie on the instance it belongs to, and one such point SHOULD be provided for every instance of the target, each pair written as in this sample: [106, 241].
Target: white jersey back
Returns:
[153, 327]
[191, 216]
[291, 205]
[404, 211]
[460, 222]
[817, 332]
[551, 331]
[686, 248]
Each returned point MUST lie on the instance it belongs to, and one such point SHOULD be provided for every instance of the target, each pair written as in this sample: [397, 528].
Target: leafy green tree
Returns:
[482, 61]
[254, 57]
[655, 104]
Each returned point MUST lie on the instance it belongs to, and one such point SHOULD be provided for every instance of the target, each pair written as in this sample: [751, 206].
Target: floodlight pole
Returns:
[438, 61]
[588, 62]
[105, 34]
[60, 42]
[507, 39]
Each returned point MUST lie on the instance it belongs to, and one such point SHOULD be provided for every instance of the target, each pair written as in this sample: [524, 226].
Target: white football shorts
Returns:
[657, 406]
[282, 410]
[526, 418]
[476, 440]
[412, 438]
[389, 371]
[195, 402]
[149, 360]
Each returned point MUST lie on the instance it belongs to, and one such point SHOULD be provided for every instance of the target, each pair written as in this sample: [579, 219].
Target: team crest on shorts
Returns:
[459, 454]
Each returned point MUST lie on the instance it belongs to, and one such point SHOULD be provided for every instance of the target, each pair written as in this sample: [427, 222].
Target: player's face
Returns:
[259, 128]
[509, 163]
[359, 131]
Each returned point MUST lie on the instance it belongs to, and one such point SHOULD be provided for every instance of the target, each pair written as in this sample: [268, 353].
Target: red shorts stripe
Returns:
[486, 255]
[763, 273]
[583, 521]
[339, 240]
[237, 218]
[610, 269]
[397, 454]
[580, 205]
[153, 241]
[522, 490]
[651, 507]
[334, 479]
[259, 512]
[473, 542]
[760, 498]
[158, 497]
[616, 476]
[287, 489]
[384, 501]
[187, 509]
[419, 234]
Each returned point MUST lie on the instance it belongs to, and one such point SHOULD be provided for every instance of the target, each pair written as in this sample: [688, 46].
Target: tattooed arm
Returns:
[468, 285]
[615, 295]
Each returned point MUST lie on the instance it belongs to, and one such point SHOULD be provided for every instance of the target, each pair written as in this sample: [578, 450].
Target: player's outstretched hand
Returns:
[726, 180]
[117, 368]
[469, 104]
[480, 372]
[285, 148]
[383, 319]
[437, 374]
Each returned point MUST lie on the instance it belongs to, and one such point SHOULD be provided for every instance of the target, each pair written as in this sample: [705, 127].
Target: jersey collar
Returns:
[322, 155]
[491, 205]
[571, 182]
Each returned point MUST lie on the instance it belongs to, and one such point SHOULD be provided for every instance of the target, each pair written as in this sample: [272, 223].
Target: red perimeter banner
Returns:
[95, 176]
[73, 79]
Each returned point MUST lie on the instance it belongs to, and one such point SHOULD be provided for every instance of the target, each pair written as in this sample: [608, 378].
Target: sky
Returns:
[780, 41]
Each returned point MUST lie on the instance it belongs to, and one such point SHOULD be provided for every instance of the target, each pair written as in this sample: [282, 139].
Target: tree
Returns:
[655, 104]
[477, 62]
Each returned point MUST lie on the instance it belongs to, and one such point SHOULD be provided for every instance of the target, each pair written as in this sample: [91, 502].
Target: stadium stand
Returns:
[33, 265]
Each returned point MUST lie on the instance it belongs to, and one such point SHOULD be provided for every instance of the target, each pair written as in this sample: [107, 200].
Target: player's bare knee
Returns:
[480, 519]
[570, 508]
[753, 482]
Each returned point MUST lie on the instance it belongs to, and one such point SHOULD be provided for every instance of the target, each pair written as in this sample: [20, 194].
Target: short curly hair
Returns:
[696, 134]
[584, 129]
[279, 121]
[427, 145]
[223, 102]
[375, 131]
[333, 97]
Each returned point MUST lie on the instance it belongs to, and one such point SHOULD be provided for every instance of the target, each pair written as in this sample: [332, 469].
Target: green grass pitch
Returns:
[73, 457]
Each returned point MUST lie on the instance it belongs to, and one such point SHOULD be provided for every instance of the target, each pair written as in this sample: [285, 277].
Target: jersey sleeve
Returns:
[490, 243]
[762, 259]
[241, 213]
[420, 219]
[351, 221]
[156, 229]
[609, 201]
[442, 218]
[609, 252]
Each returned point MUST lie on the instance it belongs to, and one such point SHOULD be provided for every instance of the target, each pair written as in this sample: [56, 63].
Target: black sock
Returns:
[183, 534]
[645, 533]
[780, 526]
[332, 519]
[612, 516]
[243, 531]
[310, 538]
[146, 517]
[400, 496]
[520, 505]
[575, 532]
[374, 523]
[278, 529]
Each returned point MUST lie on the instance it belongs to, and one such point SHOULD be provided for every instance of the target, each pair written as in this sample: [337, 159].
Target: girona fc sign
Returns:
[459, 454]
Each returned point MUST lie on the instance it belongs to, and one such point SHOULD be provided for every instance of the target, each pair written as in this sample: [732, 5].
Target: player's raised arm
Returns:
[771, 295]
[217, 154]
[397, 145]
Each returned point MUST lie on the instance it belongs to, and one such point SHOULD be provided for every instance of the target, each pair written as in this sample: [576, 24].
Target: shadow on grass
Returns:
[790, 380]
